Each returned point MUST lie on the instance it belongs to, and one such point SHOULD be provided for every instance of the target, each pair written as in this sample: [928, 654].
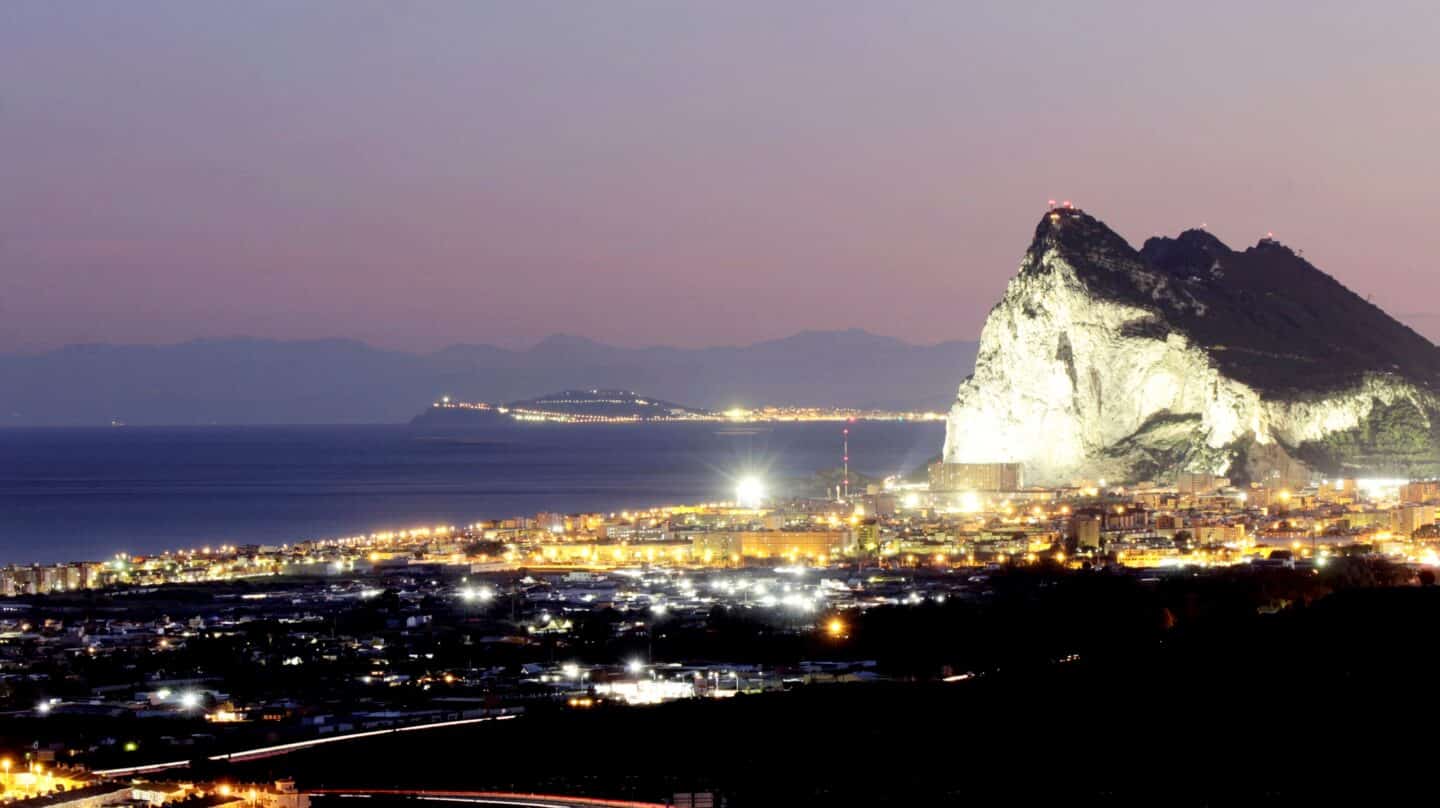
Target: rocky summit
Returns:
[1106, 361]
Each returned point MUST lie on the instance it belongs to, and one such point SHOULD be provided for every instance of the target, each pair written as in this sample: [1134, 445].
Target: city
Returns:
[965, 516]
[221, 651]
[714, 405]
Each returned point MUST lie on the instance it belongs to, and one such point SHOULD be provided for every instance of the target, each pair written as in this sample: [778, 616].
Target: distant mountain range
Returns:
[254, 381]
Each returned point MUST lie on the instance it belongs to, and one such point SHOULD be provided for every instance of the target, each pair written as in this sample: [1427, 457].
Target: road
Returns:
[485, 798]
[286, 748]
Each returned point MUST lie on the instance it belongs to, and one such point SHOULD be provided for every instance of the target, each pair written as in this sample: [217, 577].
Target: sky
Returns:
[680, 173]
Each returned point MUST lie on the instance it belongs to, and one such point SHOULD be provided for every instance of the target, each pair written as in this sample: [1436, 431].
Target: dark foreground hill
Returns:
[1095, 690]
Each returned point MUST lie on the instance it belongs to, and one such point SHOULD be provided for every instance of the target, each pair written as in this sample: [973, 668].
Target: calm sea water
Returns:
[71, 494]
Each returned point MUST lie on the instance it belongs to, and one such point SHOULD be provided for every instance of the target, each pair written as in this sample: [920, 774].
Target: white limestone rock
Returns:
[1088, 367]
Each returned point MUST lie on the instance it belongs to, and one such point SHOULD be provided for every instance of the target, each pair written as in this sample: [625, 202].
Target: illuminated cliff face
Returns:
[1089, 367]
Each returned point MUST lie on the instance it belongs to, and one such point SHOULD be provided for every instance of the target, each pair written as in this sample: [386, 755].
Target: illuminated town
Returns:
[967, 515]
[563, 411]
[368, 614]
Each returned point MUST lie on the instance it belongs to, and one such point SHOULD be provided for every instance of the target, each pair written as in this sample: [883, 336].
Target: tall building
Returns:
[1407, 519]
[865, 537]
[50, 579]
[92, 574]
[1210, 535]
[1196, 483]
[1420, 492]
[1086, 529]
[977, 476]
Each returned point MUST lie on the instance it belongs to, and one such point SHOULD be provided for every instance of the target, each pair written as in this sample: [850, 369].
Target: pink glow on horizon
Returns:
[416, 175]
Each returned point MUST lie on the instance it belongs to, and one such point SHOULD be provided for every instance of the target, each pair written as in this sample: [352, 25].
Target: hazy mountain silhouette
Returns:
[255, 381]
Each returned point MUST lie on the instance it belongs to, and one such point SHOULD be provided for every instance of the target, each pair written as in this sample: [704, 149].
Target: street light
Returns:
[749, 492]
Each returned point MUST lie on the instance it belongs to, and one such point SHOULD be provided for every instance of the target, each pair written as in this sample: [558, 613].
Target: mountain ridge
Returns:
[1103, 360]
[253, 380]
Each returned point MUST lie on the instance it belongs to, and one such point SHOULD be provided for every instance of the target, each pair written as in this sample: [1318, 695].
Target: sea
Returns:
[89, 493]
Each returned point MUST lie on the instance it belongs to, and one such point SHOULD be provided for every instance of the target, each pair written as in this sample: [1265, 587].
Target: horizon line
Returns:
[531, 346]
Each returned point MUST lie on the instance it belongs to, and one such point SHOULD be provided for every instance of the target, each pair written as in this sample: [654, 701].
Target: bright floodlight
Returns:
[190, 700]
[634, 666]
[471, 594]
[749, 492]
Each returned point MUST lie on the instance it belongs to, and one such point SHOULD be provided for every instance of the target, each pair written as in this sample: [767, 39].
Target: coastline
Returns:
[94, 492]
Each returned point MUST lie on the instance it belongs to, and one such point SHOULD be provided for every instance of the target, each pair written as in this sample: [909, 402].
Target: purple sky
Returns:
[417, 174]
